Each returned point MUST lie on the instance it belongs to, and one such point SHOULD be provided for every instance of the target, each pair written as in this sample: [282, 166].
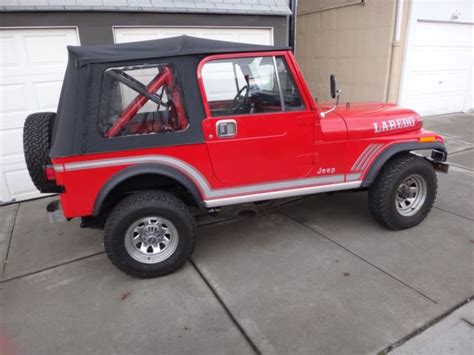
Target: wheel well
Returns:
[396, 151]
[141, 182]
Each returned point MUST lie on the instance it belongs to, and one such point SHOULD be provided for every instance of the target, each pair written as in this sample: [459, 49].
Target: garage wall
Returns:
[437, 74]
[96, 27]
[352, 41]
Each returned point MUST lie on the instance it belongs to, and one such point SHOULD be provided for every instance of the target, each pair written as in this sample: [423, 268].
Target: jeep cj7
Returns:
[148, 131]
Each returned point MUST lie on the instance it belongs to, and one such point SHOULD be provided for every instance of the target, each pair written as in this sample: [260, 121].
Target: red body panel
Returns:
[268, 148]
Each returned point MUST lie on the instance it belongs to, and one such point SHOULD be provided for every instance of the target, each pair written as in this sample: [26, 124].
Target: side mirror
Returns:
[335, 94]
[332, 79]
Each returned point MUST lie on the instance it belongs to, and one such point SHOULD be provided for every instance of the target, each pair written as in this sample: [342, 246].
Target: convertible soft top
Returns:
[159, 48]
[76, 125]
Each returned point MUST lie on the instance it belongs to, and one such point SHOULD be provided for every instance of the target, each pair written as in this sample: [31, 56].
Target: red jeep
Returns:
[148, 131]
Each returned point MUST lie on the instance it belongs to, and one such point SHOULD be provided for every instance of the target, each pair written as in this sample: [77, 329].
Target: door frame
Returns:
[289, 59]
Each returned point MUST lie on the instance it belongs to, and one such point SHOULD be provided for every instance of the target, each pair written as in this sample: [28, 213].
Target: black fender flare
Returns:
[388, 153]
[141, 169]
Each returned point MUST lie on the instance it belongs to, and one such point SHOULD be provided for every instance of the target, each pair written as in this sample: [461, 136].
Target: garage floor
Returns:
[314, 275]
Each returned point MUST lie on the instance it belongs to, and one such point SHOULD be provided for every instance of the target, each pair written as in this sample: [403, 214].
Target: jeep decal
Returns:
[390, 125]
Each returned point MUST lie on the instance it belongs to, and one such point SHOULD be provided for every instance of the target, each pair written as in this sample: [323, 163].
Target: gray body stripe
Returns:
[360, 157]
[353, 177]
[281, 194]
[210, 193]
[374, 152]
[365, 157]
[288, 184]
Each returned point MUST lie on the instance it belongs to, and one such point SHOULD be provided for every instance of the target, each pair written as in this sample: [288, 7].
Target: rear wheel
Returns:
[149, 234]
[404, 192]
[37, 133]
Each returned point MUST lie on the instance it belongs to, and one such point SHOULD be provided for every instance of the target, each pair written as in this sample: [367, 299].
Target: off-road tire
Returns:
[382, 194]
[37, 133]
[140, 205]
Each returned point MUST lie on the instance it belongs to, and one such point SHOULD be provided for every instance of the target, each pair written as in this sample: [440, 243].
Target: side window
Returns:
[142, 99]
[291, 97]
[241, 86]
[249, 86]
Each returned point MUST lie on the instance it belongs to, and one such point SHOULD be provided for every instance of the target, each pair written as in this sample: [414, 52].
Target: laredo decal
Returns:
[390, 125]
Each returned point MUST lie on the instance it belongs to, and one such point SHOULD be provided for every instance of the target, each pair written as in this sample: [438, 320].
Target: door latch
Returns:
[226, 128]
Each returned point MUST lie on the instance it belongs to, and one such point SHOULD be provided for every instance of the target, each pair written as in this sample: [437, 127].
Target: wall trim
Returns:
[355, 2]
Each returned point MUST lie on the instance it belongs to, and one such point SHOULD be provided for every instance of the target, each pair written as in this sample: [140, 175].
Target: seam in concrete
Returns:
[421, 293]
[226, 309]
[425, 327]
[212, 223]
[49, 267]
[453, 213]
[6, 203]
[468, 322]
[457, 138]
[5, 262]
[460, 166]
[462, 150]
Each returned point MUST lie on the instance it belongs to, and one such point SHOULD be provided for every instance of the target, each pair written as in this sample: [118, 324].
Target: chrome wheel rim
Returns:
[411, 195]
[151, 240]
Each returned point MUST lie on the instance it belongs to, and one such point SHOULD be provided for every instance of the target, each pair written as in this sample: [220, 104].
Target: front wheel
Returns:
[149, 234]
[404, 192]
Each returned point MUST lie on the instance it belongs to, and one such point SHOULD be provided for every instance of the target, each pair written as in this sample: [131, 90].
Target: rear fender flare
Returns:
[388, 153]
[156, 169]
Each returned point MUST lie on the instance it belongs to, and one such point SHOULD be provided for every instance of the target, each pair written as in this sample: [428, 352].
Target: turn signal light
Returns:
[427, 139]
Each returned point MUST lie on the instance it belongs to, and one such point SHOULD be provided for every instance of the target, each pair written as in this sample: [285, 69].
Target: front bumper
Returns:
[438, 159]
[55, 212]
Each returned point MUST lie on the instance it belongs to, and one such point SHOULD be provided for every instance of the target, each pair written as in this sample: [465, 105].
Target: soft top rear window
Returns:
[141, 99]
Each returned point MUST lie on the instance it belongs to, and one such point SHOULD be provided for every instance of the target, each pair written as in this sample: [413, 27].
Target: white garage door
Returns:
[32, 65]
[244, 35]
[438, 74]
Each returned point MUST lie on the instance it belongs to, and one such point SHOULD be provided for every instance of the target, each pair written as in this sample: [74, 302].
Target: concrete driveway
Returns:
[313, 275]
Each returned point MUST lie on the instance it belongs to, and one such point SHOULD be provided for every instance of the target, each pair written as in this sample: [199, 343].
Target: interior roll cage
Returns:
[165, 79]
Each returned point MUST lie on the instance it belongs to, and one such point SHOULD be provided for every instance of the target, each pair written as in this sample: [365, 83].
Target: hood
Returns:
[367, 120]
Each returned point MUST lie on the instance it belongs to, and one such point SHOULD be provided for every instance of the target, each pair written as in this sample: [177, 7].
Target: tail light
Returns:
[50, 173]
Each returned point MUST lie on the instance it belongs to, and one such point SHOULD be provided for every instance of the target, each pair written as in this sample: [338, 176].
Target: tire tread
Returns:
[150, 198]
[381, 190]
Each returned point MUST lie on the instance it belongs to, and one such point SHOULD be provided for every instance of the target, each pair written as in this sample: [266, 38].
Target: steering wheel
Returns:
[240, 99]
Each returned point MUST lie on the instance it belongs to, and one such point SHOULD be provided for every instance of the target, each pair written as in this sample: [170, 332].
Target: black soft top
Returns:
[76, 125]
[159, 48]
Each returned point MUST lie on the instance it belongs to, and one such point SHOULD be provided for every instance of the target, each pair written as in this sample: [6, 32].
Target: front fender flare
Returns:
[156, 169]
[388, 153]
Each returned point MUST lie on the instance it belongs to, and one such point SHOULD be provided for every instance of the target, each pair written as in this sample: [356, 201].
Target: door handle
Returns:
[226, 128]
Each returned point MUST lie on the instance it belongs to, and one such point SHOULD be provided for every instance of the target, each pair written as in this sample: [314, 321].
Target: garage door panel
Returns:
[446, 34]
[14, 137]
[19, 184]
[438, 58]
[438, 69]
[11, 52]
[245, 35]
[31, 75]
[54, 40]
[428, 83]
[433, 104]
[12, 97]
[47, 94]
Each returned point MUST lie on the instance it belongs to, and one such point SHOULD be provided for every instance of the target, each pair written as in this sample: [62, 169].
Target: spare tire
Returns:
[37, 133]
